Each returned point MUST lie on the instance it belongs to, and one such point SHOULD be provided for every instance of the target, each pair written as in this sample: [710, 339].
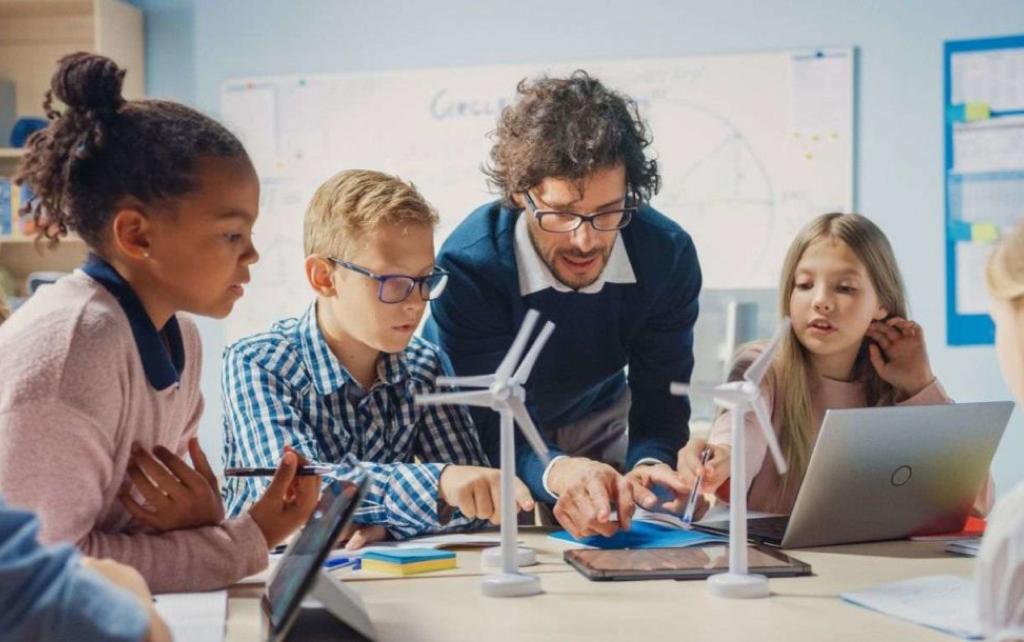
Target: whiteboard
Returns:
[750, 147]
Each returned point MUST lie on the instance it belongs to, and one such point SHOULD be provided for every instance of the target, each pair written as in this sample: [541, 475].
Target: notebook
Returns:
[643, 534]
[942, 602]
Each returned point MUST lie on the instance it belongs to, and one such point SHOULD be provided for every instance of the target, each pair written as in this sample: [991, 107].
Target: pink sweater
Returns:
[74, 398]
[764, 483]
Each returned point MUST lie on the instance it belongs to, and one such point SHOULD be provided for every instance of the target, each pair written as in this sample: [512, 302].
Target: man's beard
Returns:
[602, 253]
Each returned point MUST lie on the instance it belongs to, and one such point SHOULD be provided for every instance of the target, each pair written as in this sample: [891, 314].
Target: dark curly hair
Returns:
[102, 148]
[568, 128]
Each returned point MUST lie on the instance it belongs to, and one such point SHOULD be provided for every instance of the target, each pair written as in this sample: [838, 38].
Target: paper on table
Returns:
[196, 617]
[943, 602]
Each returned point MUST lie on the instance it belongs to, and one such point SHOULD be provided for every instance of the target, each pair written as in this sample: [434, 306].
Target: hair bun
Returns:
[88, 82]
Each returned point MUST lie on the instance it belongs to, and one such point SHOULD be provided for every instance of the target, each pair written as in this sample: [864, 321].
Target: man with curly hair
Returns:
[574, 238]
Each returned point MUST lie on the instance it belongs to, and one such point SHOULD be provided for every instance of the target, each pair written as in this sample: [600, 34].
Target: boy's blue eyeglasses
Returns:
[395, 288]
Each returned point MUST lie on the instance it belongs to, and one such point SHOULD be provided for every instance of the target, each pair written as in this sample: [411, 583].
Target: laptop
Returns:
[335, 611]
[887, 473]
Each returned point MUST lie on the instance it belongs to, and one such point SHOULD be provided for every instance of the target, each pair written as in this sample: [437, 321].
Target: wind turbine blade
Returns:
[531, 357]
[479, 381]
[679, 389]
[765, 422]
[691, 389]
[759, 368]
[508, 364]
[529, 429]
[481, 398]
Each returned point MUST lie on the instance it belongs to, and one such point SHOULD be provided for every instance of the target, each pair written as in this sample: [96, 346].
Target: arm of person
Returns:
[446, 434]
[473, 324]
[48, 595]
[660, 355]
[68, 494]
[262, 416]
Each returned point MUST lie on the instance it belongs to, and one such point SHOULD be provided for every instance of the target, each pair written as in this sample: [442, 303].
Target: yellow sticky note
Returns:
[984, 233]
[976, 111]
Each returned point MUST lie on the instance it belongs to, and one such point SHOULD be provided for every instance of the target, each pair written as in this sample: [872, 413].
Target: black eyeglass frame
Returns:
[628, 211]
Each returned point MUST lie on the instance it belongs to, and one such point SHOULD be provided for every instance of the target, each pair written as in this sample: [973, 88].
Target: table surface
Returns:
[448, 605]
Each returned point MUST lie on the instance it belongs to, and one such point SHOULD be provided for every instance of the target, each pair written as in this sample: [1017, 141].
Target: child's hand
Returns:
[716, 469]
[361, 535]
[288, 501]
[131, 580]
[476, 492]
[176, 495]
[905, 363]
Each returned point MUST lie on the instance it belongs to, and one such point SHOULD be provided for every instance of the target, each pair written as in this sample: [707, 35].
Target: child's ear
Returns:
[131, 232]
[319, 273]
[881, 314]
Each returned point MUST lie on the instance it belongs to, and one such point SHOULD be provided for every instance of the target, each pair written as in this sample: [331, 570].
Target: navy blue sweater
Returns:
[647, 326]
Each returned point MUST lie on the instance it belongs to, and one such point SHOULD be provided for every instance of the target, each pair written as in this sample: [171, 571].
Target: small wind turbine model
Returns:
[503, 392]
[741, 397]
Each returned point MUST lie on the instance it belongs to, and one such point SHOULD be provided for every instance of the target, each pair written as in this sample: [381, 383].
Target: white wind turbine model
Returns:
[503, 392]
[741, 397]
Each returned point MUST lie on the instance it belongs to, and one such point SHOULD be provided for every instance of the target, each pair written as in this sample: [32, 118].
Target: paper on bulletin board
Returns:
[971, 295]
[821, 94]
[991, 76]
[989, 145]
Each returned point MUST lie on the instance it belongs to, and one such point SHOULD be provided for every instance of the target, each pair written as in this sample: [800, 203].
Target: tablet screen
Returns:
[301, 562]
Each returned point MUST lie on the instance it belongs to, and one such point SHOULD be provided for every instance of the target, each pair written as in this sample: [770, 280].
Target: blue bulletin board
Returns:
[984, 172]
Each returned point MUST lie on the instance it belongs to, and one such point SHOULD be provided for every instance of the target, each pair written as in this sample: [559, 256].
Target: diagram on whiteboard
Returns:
[750, 147]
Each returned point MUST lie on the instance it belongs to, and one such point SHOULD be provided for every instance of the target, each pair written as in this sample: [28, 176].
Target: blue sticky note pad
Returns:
[408, 555]
[644, 535]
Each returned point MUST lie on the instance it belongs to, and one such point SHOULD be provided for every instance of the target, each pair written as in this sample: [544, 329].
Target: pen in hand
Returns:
[302, 471]
[691, 501]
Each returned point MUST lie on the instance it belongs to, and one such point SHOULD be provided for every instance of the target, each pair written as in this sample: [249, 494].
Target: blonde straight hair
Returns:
[1004, 273]
[793, 369]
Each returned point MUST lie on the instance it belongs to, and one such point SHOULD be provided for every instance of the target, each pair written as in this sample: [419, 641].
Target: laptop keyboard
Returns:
[768, 528]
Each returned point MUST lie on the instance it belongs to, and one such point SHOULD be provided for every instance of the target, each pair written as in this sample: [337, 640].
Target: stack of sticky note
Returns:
[407, 561]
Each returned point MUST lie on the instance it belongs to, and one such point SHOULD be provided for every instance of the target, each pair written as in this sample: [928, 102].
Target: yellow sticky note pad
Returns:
[976, 111]
[984, 233]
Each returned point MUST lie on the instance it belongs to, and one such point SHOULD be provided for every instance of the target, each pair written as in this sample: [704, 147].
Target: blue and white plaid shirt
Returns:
[285, 387]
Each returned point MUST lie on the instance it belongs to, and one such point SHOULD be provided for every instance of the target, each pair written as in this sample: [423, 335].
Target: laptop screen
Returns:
[300, 564]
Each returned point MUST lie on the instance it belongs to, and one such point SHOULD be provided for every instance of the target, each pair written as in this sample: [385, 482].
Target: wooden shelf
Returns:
[21, 256]
[13, 153]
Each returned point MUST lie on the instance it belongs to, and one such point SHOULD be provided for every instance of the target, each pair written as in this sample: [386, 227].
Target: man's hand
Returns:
[176, 495]
[648, 481]
[476, 492]
[586, 490]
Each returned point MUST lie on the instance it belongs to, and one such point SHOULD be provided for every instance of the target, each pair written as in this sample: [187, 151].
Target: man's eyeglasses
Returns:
[604, 221]
[395, 288]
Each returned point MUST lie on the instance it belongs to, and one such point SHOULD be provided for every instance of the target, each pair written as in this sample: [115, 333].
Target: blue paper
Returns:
[644, 535]
[408, 555]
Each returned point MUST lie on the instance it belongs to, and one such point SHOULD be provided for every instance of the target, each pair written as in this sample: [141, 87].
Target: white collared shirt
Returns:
[535, 275]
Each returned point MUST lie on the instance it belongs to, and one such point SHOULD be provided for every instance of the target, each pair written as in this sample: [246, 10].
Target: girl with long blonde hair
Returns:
[851, 346]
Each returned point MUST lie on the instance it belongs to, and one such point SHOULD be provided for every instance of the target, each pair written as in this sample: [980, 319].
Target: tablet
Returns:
[298, 570]
[678, 563]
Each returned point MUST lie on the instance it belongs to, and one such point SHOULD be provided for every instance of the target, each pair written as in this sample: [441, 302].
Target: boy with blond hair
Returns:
[338, 383]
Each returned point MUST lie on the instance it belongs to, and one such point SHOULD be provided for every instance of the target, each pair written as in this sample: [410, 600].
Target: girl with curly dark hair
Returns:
[100, 371]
